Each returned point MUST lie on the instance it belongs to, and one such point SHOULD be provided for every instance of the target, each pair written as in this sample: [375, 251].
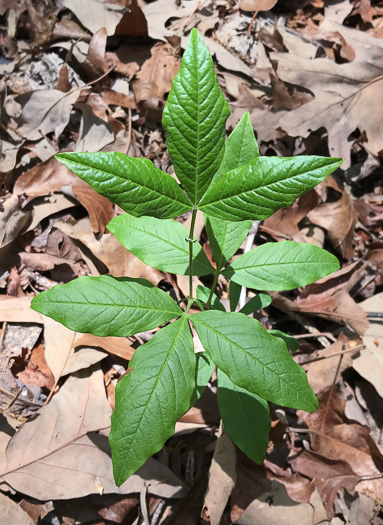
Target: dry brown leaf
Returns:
[94, 133]
[154, 80]
[321, 374]
[277, 507]
[133, 23]
[17, 310]
[110, 252]
[60, 350]
[38, 113]
[222, 479]
[345, 95]
[257, 5]
[64, 453]
[159, 12]
[94, 14]
[284, 223]
[328, 475]
[10, 512]
[13, 220]
[337, 217]
[119, 346]
[369, 364]
[94, 65]
[51, 176]
[100, 209]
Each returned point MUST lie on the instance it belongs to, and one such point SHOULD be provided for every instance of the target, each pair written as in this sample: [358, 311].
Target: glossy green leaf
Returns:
[107, 306]
[151, 398]
[246, 418]
[194, 118]
[203, 372]
[136, 185]
[160, 243]
[282, 265]
[203, 295]
[261, 300]
[225, 238]
[240, 148]
[255, 191]
[253, 359]
[291, 343]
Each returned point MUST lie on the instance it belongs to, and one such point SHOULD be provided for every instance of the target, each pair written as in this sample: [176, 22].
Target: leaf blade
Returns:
[194, 118]
[255, 191]
[253, 359]
[140, 424]
[225, 237]
[246, 418]
[136, 185]
[160, 243]
[281, 266]
[240, 148]
[98, 305]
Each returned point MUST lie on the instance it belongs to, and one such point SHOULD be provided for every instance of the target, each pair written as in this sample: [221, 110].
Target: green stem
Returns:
[191, 242]
[216, 275]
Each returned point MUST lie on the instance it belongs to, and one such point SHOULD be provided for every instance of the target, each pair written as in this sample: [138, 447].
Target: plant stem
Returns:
[216, 275]
[191, 242]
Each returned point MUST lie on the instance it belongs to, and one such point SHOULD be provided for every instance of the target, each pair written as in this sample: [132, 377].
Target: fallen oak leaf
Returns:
[46, 458]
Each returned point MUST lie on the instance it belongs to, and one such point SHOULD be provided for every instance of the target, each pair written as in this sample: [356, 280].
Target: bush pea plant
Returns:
[233, 186]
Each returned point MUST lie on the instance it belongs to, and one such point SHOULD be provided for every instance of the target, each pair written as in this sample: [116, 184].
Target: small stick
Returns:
[251, 23]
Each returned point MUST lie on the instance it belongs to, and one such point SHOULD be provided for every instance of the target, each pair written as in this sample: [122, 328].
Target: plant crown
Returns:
[232, 185]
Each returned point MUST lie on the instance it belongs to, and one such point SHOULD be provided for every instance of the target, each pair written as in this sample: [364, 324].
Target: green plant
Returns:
[233, 186]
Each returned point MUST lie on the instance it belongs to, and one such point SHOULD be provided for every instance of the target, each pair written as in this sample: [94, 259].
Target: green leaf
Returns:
[107, 306]
[225, 238]
[136, 185]
[281, 266]
[240, 148]
[234, 295]
[255, 191]
[203, 372]
[151, 398]
[245, 416]
[253, 359]
[194, 118]
[203, 295]
[261, 300]
[160, 243]
[291, 343]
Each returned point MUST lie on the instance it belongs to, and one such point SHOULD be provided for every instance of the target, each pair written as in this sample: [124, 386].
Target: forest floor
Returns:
[94, 75]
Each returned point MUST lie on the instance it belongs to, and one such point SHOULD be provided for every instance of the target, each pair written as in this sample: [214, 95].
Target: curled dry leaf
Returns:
[51, 176]
[338, 218]
[154, 80]
[257, 5]
[329, 476]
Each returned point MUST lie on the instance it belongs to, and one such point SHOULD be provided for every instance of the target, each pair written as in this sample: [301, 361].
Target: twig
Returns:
[356, 349]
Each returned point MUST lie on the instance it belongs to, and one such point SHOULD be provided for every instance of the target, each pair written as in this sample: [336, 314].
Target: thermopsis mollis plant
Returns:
[232, 185]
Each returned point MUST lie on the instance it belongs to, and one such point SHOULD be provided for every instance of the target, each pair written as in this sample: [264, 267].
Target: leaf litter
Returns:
[84, 76]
